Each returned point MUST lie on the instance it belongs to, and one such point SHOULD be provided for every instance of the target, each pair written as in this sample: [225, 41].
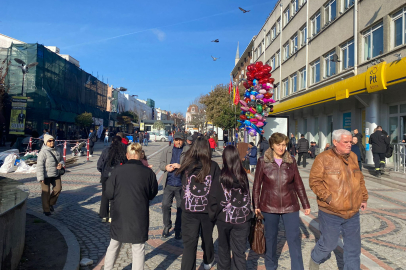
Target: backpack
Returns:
[389, 151]
[93, 138]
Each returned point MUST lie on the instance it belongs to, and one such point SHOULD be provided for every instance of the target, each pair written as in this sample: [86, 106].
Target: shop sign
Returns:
[18, 115]
[141, 126]
[347, 121]
[342, 94]
[375, 78]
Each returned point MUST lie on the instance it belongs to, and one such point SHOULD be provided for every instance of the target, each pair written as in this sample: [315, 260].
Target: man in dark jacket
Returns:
[302, 149]
[360, 145]
[92, 140]
[131, 186]
[380, 142]
[292, 145]
[263, 146]
[136, 136]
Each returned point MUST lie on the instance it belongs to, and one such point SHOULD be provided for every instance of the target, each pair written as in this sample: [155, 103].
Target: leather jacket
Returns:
[338, 183]
[276, 188]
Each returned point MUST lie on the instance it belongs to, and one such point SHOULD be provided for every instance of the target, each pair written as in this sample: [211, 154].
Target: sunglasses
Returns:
[51, 140]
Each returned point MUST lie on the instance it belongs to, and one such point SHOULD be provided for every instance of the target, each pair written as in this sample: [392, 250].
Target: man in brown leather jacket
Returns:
[339, 184]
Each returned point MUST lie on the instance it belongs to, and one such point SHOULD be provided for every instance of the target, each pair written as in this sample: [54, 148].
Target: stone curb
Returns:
[73, 256]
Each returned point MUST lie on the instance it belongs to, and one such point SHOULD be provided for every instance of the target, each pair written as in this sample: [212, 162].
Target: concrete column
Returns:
[371, 118]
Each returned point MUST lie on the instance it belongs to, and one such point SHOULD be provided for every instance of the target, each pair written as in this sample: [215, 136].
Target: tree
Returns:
[219, 108]
[84, 120]
[158, 125]
[126, 118]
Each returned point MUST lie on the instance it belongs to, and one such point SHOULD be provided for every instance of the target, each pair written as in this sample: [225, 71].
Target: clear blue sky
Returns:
[158, 49]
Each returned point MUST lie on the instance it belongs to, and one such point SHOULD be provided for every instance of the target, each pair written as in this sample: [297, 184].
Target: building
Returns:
[191, 110]
[162, 114]
[6, 41]
[337, 64]
[240, 68]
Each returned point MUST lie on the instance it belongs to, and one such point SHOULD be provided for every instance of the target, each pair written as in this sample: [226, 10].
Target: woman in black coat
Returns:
[131, 186]
[110, 158]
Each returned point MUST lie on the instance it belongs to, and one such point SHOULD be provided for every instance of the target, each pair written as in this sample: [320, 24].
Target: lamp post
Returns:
[24, 68]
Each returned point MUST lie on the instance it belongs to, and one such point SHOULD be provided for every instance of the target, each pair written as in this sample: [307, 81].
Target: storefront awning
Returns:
[376, 78]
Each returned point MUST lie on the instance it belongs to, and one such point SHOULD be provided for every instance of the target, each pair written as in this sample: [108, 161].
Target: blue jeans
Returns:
[293, 237]
[146, 142]
[330, 228]
[106, 140]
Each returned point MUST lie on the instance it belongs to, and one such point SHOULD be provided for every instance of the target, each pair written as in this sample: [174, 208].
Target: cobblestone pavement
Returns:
[383, 225]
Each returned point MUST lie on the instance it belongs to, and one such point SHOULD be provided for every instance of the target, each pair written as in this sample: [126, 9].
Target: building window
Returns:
[304, 2]
[276, 91]
[278, 26]
[193, 109]
[286, 51]
[348, 4]
[294, 44]
[273, 31]
[286, 16]
[316, 24]
[399, 33]
[330, 11]
[285, 84]
[315, 71]
[256, 54]
[260, 49]
[268, 39]
[303, 36]
[295, 6]
[293, 82]
[273, 62]
[303, 78]
[278, 58]
[329, 64]
[373, 41]
[347, 55]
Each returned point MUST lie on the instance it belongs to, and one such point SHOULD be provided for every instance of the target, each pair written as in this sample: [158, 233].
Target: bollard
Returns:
[64, 151]
[30, 145]
[87, 149]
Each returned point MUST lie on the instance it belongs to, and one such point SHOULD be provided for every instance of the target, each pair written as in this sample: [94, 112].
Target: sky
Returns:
[157, 49]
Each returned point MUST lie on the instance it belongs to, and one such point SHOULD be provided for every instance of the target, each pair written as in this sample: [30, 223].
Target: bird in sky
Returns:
[243, 10]
[214, 58]
[216, 40]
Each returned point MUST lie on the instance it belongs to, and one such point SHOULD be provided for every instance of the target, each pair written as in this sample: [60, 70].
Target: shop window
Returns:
[315, 72]
[329, 64]
[403, 108]
[373, 41]
[393, 109]
[347, 55]
[399, 25]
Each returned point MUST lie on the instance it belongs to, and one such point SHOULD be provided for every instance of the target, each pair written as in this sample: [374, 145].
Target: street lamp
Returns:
[24, 68]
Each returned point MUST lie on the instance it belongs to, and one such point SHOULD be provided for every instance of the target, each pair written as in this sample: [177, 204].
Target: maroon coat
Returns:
[276, 188]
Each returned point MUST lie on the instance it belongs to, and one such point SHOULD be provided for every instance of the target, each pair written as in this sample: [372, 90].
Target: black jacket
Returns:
[380, 141]
[195, 195]
[302, 145]
[263, 146]
[102, 164]
[231, 206]
[131, 186]
[292, 143]
[361, 146]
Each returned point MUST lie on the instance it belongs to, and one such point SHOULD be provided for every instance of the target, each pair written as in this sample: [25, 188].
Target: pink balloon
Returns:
[259, 117]
[252, 97]
[253, 120]
[252, 110]
[245, 109]
[243, 103]
[270, 85]
[262, 91]
[260, 124]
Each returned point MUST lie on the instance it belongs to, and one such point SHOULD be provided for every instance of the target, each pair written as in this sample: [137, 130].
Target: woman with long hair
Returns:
[277, 186]
[230, 206]
[198, 173]
[111, 157]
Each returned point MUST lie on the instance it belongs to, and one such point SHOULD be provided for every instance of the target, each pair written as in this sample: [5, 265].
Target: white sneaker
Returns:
[209, 266]
[90, 156]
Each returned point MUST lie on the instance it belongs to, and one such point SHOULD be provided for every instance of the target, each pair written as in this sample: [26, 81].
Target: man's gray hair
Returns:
[338, 133]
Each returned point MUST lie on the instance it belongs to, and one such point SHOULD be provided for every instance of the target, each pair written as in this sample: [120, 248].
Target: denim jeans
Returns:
[106, 140]
[146, 142]
[293, 237]
[330, 228]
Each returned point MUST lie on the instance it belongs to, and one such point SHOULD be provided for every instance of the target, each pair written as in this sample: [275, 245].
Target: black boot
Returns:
[378, 173]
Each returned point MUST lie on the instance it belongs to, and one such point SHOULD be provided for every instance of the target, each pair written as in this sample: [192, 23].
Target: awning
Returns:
[376, 78]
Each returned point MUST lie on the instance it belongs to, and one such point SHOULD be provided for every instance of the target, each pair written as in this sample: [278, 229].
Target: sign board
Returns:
[18, 115]
[367, 143]
[342, 94]
[347, 121]
[276, 124]
[141, 126]
[374, 78]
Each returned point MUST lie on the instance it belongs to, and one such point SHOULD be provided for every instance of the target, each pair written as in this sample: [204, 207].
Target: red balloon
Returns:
[247, 99]
[271, 80]
[258, 65]
[243, 117]
[246, 85]
[268, 95]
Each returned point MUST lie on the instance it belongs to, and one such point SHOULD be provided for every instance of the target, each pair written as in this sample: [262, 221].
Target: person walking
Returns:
[230, 207]
[252, 155]
[170, 161]
[302, 149]
[131, 186]
[292, 145]
[212, 143]
[189, 140]
[277, 186]
[146, 138]
[110, 158]
[360, 145]
[106, 137]
[380, 142]
[49, 162]
[198, 173]
[339, 185]
[136, 136]
[141, 137]
[92, 141]
[144, 159]
[263, 146]
[357, 151]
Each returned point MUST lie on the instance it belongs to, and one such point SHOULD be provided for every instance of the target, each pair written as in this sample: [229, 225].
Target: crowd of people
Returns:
[208, 196]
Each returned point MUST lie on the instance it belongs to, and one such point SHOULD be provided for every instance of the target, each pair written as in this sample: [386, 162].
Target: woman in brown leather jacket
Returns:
[277, 187]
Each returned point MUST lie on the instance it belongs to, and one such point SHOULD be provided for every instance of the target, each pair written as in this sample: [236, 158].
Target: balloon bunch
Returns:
[257, 103]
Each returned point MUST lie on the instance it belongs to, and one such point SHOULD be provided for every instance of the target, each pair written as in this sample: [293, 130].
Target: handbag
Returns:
[257, 236]
[59, 171]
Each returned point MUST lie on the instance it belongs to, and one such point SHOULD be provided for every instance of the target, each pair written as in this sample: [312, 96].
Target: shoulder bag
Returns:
[60, 171]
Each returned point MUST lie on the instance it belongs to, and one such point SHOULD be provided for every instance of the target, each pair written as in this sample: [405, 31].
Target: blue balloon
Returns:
[247, 94]
[256, 128]
[254, 93]
[247, 123]
[241, 127]
[242, 122]
[255, 82]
